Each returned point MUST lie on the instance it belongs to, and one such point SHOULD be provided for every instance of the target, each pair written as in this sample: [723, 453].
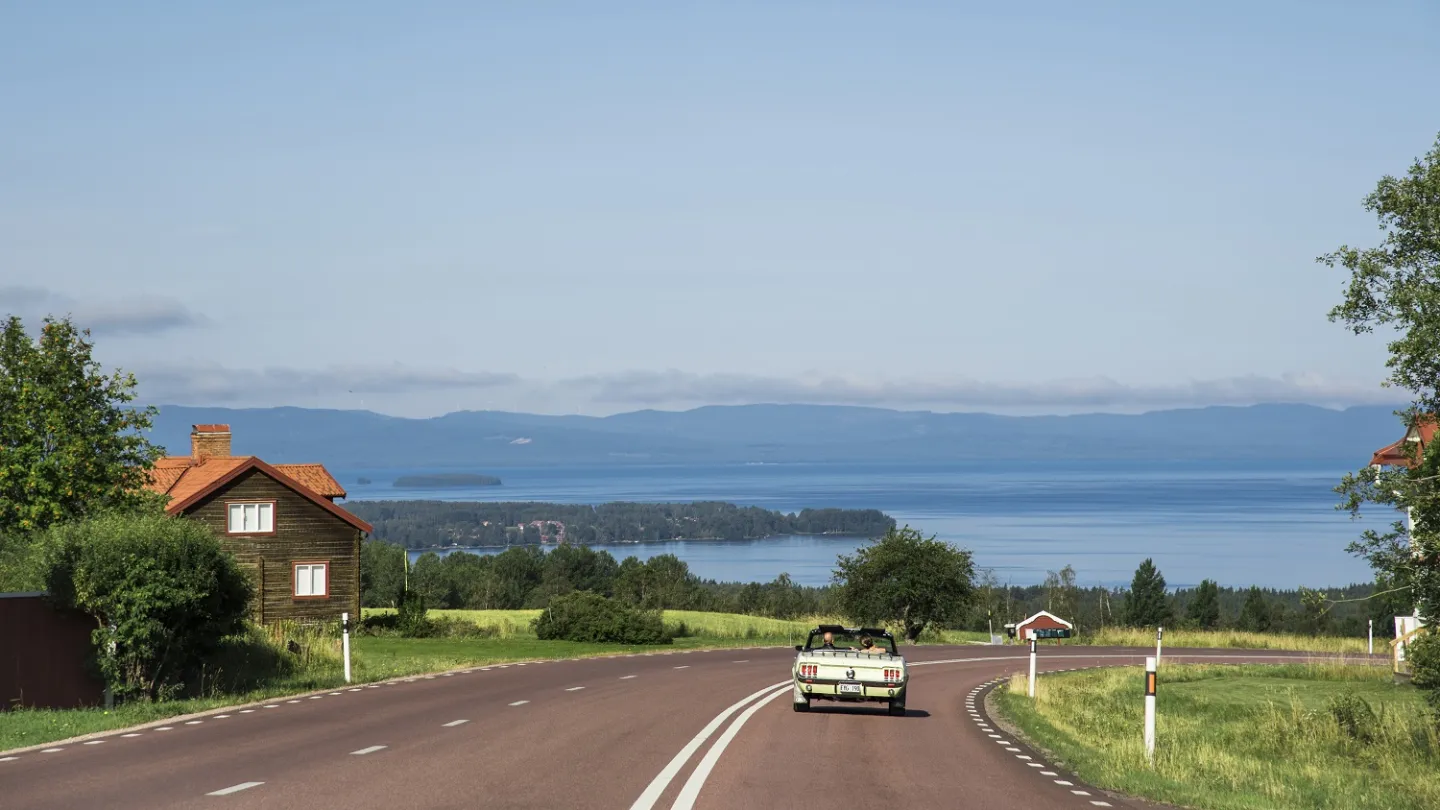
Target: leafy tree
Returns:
[382, 573]
[1204, 609]
[1255, 614]
[590, 617]
[1396, 287]
[1147, 604]
[906, 580]
[69, 445]
[1061, 595]
[164, 585]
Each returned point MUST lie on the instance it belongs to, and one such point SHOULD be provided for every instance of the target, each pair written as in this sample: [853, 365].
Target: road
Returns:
[645, 731]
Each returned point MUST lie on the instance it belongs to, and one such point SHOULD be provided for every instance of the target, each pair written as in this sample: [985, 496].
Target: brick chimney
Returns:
[209, 441]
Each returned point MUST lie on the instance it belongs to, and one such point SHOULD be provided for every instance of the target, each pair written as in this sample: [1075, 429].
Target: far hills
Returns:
[788, 433]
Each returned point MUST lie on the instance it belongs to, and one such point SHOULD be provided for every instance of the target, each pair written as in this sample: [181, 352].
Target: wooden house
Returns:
[279, 520]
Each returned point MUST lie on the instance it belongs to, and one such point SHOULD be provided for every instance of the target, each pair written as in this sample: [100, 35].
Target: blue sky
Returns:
[581, 207]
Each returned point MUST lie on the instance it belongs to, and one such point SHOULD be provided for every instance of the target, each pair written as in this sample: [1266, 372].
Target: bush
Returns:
[1423, 654]
[589, 617]
[162, 590]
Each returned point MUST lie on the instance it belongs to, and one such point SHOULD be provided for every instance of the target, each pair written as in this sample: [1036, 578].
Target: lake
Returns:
[1237, 523]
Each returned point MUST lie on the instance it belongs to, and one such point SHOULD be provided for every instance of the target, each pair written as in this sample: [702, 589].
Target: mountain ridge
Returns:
[785, 433]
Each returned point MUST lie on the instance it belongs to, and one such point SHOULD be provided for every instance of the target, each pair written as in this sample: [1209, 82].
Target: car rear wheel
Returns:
[801, 706]
[897, 709]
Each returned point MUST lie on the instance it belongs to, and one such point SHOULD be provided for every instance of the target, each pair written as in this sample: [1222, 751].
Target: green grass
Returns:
[1230, 639]
[1241, 737]
[708, 626]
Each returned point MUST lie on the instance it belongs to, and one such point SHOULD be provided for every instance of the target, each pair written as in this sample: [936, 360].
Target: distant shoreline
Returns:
[836, 535]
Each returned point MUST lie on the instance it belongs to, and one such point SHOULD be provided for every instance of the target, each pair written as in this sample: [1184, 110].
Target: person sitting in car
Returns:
[867, 644]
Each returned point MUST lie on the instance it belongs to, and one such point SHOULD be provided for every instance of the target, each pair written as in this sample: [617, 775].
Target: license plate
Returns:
[850, 689]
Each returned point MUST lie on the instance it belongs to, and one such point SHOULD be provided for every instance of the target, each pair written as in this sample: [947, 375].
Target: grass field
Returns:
[1292, 737]
[1233, 639]
[698, 624]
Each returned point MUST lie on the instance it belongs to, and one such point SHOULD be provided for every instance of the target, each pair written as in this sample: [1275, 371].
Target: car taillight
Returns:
[892, 674]
[809, 670]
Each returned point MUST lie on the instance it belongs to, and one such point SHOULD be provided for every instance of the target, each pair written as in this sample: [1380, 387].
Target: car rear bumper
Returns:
[831, 691]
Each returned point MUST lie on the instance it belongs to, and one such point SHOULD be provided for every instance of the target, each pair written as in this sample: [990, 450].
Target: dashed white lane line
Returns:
[1081, 792]
[316, 697]
[1012, 750]
[292, 701]
[1064, 782]
[95, 742]
[519, 703]
[1047, 773]
[574, 689]
[454, 723]
[165, 728]
[1034, 764]
[136, 734]
[743, 661]
[363, 751]
[247, 711]
[193, 722]
[271, 706]
[221, 716]
[687, 666]
[626, 677]
[52, 750]
[334, 694]
[8, 759]
[994, 736]
[1099, 803]
[235, 788]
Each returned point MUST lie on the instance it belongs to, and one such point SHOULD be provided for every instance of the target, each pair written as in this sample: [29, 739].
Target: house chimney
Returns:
[209, 441]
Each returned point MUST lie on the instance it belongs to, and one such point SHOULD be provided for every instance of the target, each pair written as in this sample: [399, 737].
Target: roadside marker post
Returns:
[1371, 633]
[1032, 666]
[1150, 710]
[345, 642]
[1159, 636]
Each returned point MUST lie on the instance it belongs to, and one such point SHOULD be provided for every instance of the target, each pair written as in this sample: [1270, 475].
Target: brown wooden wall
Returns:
[45, 656]
[304, 532]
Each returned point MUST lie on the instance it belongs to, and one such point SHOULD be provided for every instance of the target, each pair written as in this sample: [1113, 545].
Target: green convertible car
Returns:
[850, 664]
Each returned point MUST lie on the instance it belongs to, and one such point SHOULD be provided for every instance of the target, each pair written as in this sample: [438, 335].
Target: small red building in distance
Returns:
[1409, 451]
[1041, 621]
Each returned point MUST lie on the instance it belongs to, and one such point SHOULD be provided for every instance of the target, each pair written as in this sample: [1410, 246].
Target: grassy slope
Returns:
[1238, 737]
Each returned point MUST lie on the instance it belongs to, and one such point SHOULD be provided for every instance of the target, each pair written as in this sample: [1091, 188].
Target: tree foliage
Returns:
[69, 444]
[1255, 613]
[1204, 608]
[161, 589]
[906, 580]
[590, 617]
[1395, 286]
[1147, 604]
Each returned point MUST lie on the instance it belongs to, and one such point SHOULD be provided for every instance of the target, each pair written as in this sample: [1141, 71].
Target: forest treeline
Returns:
[529, 576]
[430, 524]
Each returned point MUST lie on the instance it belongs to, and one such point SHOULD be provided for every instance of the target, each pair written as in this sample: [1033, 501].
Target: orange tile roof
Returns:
[211, 428]
[315, 477]
[1399, 454]
[187, 480]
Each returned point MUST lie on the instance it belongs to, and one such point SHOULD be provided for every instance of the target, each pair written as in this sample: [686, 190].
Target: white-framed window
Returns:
[251, 518]
[311, 579]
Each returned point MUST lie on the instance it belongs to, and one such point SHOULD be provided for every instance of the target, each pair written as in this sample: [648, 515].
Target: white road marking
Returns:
[316, 697]
[687, 666]
[164, 728]
[1099, 803]
[691, 791]
[95, 742]
[1034, 764]
[1012, 749]
[131, 735]
[449, 674]
[995, 736]
[1047, 773]
[363, 751]
[574, 689]
[663, 779]
[271, 706]
[8, 759]
[52, 750]
[193, 722]
[519, 703]
[333, 694]
[745, 661]
[292, 701]
[1063, 782]
[356, 689]
[626, 677]
[247, 711]
[235, 788]
[454, 723]
[221, 716]
[1081, 792]
[1022, 756]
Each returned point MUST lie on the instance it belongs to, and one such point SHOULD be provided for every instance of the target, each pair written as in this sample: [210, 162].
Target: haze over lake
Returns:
[1239, 523]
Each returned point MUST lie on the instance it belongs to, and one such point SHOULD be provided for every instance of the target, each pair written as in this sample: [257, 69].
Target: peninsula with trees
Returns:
[434, 524]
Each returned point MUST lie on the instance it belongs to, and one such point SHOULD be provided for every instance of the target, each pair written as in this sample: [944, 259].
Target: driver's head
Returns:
[829, 637]
[867, 642]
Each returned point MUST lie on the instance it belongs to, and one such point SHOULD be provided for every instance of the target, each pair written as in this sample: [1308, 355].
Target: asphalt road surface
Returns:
[710, 730]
